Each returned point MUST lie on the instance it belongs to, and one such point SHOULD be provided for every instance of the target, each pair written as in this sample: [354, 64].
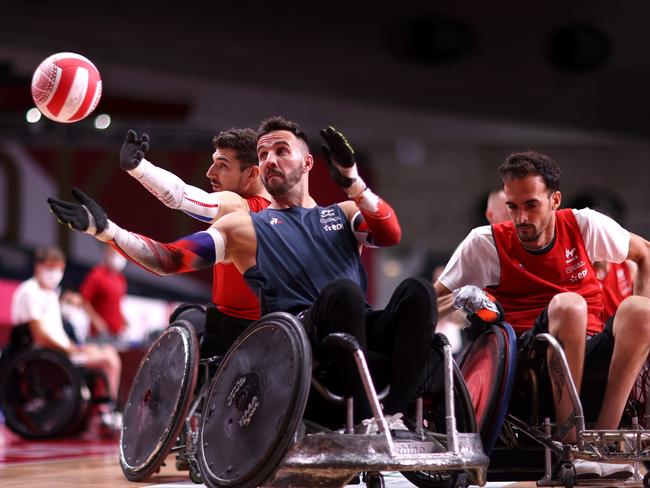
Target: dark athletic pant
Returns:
[398, 337]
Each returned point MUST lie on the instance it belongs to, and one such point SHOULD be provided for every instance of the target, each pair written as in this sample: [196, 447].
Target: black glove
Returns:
[133, 150]
[75, 216]
[337, 151]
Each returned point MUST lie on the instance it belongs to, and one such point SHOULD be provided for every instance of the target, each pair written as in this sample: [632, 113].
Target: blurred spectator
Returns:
[76, 320]
[495, 207]
[102, 291]
[35, 304]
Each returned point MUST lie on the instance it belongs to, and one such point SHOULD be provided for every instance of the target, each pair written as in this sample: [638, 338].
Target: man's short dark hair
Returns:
[242, 141]
[530, 163]
[275, 123]
[49, 253]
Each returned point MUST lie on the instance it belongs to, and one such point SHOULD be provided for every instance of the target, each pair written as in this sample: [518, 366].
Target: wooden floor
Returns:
[88, 462]
[91, 472]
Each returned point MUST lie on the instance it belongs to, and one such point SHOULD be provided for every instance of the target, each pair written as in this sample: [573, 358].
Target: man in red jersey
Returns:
[539, 267]
[102, 290]
[236, 185]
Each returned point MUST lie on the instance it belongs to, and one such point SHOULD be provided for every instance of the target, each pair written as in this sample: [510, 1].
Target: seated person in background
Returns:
[301, 257]
[538, 265]
[102, 290]
[76, 320]
[36, 304]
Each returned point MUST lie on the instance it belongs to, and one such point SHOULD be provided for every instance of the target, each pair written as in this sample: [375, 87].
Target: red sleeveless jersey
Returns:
[230, 293]
[529, 281]
[616, 285]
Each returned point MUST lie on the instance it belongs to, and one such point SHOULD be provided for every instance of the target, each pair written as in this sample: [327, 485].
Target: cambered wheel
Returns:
[42, 394]
[489, 369]
[159, 400]
[255, 404]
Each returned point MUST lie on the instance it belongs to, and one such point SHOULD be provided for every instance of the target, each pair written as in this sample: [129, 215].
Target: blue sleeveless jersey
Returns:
[299, 251]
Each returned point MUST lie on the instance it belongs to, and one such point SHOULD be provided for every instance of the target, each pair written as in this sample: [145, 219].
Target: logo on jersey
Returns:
[329, 228]
[570, 255]
[574, 267]
[579, 276]
[330, 220]
[275, 221]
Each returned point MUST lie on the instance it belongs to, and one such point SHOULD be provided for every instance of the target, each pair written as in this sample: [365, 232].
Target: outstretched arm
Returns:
[374, 222]
[196, 251]
[169, 188]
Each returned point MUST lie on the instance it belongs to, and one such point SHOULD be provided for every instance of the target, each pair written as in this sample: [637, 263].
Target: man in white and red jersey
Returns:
[539, 267]
[236, 185]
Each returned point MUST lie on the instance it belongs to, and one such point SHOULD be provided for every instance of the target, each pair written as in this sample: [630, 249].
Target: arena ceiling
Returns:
[579, 64]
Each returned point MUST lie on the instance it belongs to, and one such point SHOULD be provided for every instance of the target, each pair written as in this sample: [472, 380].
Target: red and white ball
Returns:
[66, 87]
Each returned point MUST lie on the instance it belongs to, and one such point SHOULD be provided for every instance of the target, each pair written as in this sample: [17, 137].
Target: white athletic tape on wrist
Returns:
[141, 169]
[355, 190]
[92, 227]
[110, 232]
[350, 172]
[219, 244]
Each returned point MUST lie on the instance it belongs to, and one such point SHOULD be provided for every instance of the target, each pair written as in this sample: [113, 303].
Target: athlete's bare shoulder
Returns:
[231, 202]
[349, 208]
[234, 220]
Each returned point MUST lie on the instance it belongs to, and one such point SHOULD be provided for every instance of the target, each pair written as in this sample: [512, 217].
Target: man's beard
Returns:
[280, 186]
[529, 237]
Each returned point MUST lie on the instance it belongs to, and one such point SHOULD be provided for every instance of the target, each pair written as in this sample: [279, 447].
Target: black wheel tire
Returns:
[196, 477]
[646, 480]
[255, 404]
[153, 419]
[568, 475]
[46, 378]
[375, 480]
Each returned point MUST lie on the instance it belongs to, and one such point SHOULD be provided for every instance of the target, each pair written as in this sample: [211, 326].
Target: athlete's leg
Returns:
[106, 359]
[340, 308]
[404, 330]
[631, 346]
[567, 322]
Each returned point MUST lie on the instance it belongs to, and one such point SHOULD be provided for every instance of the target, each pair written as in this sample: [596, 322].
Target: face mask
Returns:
[50, 277]
[116, 262]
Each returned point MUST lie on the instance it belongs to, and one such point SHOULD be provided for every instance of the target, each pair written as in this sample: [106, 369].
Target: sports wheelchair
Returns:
[251, 426]
[42, 393]
[520, 427]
